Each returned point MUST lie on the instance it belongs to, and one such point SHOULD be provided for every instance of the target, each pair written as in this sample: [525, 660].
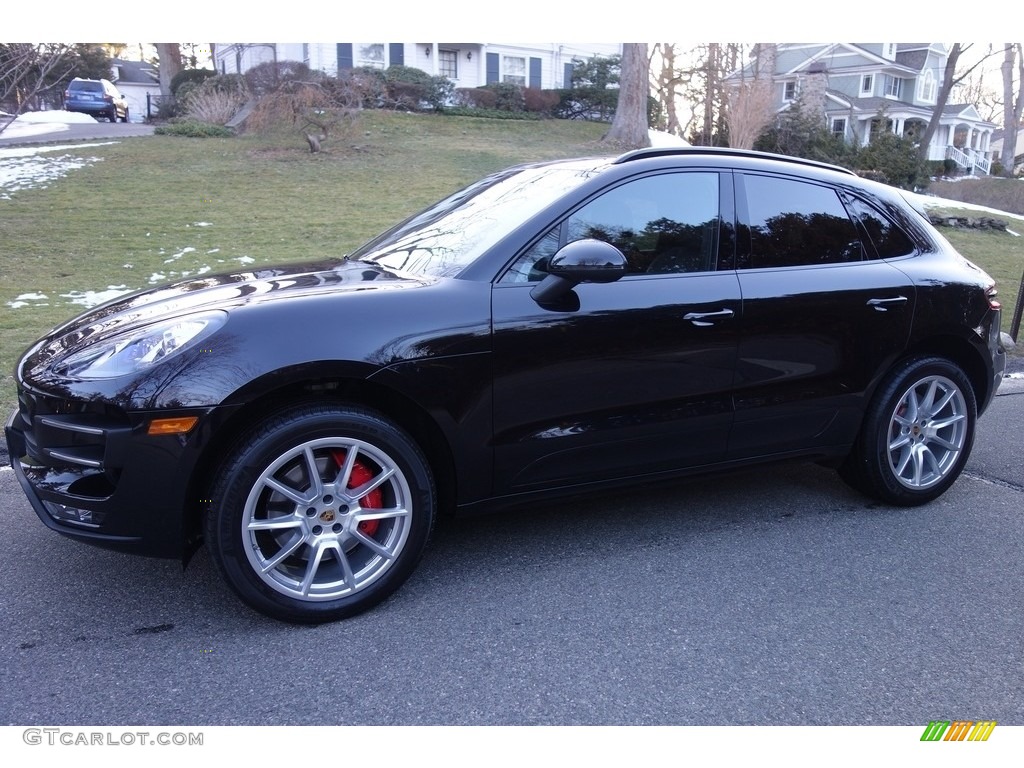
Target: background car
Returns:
[554, 328]
[99, 98]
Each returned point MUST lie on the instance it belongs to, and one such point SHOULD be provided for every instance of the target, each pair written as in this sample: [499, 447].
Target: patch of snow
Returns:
[28, 300]
[203, 270]
[245, 259]
[662, 139]
[213, 250]
[31, 297]
[202, 224]
[157, 277]
[31, 168]
[179, 254]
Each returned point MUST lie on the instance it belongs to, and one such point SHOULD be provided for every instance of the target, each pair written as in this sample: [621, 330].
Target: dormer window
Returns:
[867, 85]
[926, 89]
[890, 51]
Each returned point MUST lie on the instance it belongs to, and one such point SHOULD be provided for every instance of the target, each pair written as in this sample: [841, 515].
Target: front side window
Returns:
[514, 70]
[663, 224]
[796, 224]
[839, 127]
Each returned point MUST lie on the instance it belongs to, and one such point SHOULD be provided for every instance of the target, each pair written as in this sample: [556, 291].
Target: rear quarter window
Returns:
[889, 240]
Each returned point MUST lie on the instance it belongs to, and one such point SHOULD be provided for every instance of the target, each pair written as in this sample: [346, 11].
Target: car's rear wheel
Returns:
[917, 433]
[321, 513]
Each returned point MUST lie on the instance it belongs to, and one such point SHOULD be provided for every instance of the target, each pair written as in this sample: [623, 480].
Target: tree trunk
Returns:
[170, 65]
[629, 126]
[948, 81]
[1012, 107]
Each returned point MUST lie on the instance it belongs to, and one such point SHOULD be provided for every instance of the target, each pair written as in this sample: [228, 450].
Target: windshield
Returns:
[445, 238]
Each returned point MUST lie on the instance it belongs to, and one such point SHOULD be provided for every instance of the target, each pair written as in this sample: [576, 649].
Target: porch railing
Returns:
[970, 159]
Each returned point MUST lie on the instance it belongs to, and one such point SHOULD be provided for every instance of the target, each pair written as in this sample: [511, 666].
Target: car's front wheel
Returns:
[320, 513]
[917, 433]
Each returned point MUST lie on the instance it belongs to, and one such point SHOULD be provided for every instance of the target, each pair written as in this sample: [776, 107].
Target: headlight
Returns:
[140, 348]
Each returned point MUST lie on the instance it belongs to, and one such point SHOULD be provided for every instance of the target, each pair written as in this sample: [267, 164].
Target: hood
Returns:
[212, 292]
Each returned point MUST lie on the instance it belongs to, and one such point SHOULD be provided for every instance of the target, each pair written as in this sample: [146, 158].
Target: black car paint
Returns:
[511, 397]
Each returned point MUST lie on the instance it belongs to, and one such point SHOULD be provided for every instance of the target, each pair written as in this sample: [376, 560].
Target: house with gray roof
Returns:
[862, 88]
[137, 81]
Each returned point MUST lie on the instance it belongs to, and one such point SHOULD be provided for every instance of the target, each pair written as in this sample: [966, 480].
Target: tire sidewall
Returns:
[261, 447]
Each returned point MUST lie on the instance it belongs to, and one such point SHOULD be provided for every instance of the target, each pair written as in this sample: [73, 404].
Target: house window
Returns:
[513, 70]
[893, 86]
[372, 55]
[867, 84]
[448, 64]
[926, 91]
[789, 90]
[839, 127]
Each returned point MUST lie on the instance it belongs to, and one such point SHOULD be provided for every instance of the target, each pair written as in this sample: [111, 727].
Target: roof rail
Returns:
[647, 152]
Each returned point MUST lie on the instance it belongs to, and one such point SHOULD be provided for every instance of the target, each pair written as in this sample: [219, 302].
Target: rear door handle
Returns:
[704, 319]
[882, 305]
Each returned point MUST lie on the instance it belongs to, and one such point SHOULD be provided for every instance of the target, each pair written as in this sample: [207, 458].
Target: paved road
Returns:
[78, 132]
[767, 597]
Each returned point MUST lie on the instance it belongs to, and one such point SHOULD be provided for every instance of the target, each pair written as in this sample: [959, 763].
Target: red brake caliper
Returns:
[373, 500]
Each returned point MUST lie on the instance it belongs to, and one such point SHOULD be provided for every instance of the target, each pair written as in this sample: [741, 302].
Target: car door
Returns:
[626, 378]
[821, 317]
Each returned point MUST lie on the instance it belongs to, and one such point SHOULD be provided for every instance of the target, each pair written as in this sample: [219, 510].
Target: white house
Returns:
[851, 83]
[137, 81]
[468, 65]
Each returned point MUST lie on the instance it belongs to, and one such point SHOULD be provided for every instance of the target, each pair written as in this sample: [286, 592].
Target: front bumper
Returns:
[93, 473]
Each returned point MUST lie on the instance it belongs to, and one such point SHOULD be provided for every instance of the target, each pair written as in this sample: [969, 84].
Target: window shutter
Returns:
[534, 72]
[567, 75]
[396, 53]
[493, 70]
[344, 56]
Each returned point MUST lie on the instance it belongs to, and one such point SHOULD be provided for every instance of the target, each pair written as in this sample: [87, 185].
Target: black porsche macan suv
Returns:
[552, 328]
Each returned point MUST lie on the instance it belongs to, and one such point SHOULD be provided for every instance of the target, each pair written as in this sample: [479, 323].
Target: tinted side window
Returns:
[795, 224]
[662, 224]
[889, 240]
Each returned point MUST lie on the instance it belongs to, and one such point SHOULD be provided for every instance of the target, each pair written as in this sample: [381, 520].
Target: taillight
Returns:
[991, 292]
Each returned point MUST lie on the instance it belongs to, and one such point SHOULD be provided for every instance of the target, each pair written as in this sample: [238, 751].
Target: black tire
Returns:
[112, 117]
[303, 547]
[917, 433]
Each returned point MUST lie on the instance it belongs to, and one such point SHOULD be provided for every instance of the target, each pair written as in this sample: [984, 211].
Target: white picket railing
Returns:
[970, 159]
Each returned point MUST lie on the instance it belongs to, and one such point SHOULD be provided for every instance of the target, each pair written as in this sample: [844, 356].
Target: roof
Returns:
[134, 72]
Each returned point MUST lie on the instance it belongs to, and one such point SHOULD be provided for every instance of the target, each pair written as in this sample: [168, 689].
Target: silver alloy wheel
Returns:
[326, 519]
[927, 432]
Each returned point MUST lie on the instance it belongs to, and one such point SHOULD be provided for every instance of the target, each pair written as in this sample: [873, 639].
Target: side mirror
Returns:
[582, 261]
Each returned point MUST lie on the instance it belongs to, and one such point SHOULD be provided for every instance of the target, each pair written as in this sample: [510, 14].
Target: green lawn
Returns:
[158, 208]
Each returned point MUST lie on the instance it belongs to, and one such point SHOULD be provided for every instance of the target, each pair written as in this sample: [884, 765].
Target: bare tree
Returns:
[1013, 104]
[950, 78]
[666, 83]
[27, 69]
[750, 111]
[629, 125]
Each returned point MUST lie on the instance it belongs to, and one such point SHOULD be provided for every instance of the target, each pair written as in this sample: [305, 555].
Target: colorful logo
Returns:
[958, 730]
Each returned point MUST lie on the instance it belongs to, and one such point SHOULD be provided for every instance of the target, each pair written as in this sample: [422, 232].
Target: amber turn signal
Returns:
[178, 426]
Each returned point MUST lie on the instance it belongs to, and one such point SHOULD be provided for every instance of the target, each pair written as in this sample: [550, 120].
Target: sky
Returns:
[526, 20]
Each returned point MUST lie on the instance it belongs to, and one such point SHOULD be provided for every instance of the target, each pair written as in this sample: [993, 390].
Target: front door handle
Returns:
[703, 319]
[882, 305]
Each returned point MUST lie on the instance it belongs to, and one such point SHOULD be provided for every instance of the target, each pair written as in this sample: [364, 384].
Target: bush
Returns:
[190, 76]
[474, 98]
[193, 129]
[215, 100]
[539, 100]
[413, 89]
[896, 160]
[271, 75]
[508, 97]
